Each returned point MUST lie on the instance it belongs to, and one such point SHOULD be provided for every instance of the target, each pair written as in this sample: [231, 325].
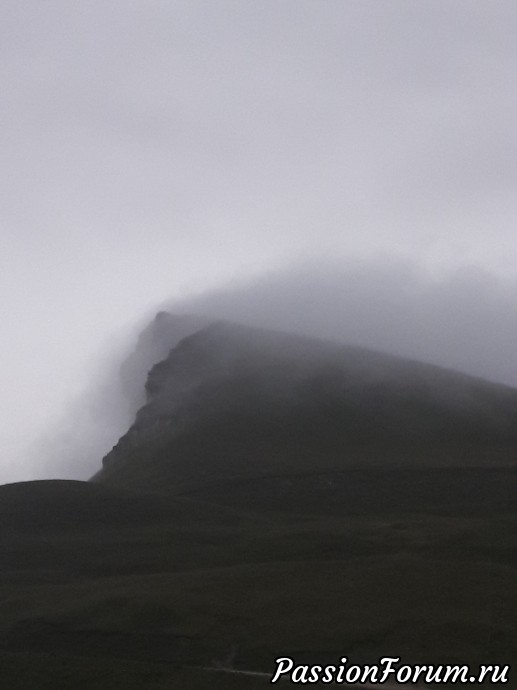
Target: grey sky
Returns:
[153, 148]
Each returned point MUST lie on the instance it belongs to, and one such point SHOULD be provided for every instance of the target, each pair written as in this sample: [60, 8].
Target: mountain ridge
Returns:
[228, 391]
[271, 499]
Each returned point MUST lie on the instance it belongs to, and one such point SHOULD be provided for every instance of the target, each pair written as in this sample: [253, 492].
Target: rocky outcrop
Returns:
[229, 402]
[153, 345]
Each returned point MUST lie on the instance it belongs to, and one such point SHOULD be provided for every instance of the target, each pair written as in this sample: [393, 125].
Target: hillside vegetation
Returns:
[275, 496]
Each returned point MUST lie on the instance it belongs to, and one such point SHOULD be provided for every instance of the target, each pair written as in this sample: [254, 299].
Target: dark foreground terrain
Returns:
[103, 588]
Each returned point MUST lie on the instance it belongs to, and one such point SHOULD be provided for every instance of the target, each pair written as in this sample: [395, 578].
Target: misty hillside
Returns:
[258, 297]
[231, 402]
[275, 496]
[464, 321]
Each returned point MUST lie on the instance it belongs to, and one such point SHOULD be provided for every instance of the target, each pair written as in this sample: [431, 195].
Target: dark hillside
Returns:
[94, 595]
[231, 402]
[276, 496]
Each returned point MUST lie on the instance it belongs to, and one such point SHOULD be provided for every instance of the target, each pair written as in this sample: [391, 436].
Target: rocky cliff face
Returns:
[153, 345]
[230, 402]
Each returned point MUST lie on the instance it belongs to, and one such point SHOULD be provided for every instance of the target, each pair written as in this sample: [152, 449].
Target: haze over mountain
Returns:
[463, 320]
[258, 256]
[276, 495]
[231, 402]
[152, 149]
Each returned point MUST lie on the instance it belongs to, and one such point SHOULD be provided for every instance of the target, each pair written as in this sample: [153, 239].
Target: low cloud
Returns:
[463, 320]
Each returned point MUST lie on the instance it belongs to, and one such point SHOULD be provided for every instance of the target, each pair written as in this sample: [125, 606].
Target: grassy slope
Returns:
[111, 586]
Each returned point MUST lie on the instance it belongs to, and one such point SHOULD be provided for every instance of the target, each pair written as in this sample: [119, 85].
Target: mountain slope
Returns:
[276, 496]
[231, 402]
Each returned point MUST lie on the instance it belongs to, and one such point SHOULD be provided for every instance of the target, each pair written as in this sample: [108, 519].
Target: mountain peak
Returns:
[229, 401]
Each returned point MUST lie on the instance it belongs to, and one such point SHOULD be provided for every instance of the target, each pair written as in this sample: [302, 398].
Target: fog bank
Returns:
[463, 320]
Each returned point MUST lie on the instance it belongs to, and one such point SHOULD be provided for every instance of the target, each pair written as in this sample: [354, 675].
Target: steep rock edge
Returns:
[153, 345]
[232, 403]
